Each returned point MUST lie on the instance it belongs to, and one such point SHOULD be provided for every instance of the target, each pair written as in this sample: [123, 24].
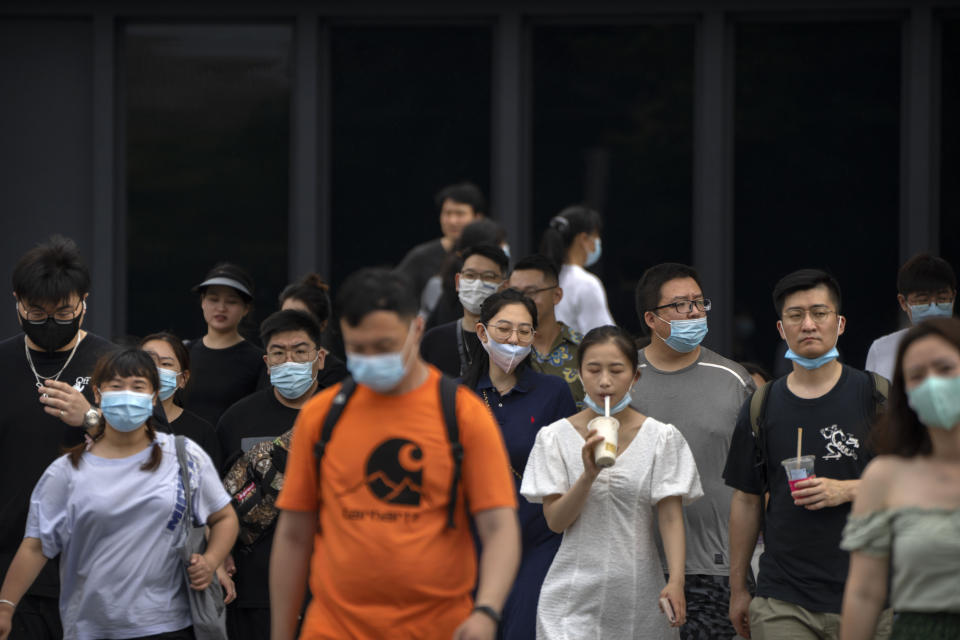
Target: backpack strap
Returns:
[448, 404]
[181, 446]
[347, 387]
[758, 411]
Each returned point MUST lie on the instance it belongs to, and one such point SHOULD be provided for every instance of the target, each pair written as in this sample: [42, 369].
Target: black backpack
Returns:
[448, 404]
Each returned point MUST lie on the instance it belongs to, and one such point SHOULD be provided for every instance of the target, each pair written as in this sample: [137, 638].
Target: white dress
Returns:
[605, 580]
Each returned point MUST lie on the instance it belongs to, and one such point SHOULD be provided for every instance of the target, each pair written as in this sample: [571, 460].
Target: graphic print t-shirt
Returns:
[385, 564]
[802, 561]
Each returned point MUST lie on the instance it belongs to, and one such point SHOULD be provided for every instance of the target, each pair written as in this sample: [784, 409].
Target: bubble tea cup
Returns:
[608, 427]
[798, 469]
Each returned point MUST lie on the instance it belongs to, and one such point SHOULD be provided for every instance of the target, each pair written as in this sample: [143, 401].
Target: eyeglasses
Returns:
[490, 277]
[36, 315]
[529, 292]
[300, 354]
[503, 330]
[687, 306]
[818, 314]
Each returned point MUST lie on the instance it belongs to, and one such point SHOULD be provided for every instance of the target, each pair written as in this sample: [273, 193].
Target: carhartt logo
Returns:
[394, 472]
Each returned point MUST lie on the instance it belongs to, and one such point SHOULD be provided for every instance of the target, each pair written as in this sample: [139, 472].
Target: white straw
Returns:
[606, 406]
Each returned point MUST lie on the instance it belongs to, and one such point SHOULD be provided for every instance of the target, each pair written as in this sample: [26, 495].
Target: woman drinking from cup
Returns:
[522, 401]
[606, 580]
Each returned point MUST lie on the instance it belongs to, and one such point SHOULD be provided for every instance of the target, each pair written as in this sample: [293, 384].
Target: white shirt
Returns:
[117, 529]
[584, 303]
[882, 357]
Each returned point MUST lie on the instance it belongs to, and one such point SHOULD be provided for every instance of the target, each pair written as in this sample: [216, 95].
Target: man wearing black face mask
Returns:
[44, 376]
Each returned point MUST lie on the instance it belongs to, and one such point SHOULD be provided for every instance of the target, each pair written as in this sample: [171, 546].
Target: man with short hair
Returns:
[47, 402]
[555, 345]
[390, 550]
[452, 346]
[802, 569]
[926, 288]
[294, 359]
[699, 392]
[458, 205]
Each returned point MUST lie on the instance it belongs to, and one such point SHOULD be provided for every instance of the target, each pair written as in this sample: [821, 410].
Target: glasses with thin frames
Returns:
[300, 354]
[818, 314]
[529, 292]
[490, 277]
[36, 315]
[502, 332]
[687, 306]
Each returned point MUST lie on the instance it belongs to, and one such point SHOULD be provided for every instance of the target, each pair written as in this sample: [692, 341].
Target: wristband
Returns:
[490, 612]
[12, 604]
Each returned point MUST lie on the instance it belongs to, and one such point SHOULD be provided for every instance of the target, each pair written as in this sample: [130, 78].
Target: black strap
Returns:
[465, 359]
[448, 404]
[347, 387]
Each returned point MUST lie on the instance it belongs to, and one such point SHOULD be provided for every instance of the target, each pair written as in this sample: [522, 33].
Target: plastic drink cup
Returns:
[798, 469]
[605, 453]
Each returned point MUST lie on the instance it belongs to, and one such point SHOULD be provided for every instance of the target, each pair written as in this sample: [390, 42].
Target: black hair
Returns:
[491, 252]
[375, 289]
[650, 285]
[924, 272]
[610, 333]
[290, 320]
[482, 231]
[463, 193]
[124, 363]
[803, 280]
[754, 368]
[50, 272]
[312, 291]
[541, 263]
[180, 351]
[488, 309]
[899, 430]
[564, 228]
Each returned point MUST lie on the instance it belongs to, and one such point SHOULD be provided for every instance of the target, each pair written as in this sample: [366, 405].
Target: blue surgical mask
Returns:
[937, 402]
[168, 382]
[381, 372]
[594, 256]
[614, 410]
[921, 312]
[292, 379]
[685, 335]
[812, 363]
[126, 410]
[505, 356]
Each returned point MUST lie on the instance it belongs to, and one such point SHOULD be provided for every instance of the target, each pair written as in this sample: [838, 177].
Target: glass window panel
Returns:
[613, 128]
[411, 114]
[950, 146]
[207, 109]
[817, 173]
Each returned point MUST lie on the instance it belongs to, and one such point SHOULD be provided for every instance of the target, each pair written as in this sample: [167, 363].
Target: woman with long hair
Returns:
[112, 509]
[572, 241]
[904, 529]
[522, 401]
[606, 580]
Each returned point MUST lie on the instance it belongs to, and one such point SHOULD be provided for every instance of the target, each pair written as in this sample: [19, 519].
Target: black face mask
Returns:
[50, 335]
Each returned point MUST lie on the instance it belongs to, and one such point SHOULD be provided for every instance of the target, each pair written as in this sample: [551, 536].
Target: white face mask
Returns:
[505, 356]
[473, 292]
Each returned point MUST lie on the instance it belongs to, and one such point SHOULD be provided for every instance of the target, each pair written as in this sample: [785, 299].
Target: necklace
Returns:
[486, 400]
[55, 377]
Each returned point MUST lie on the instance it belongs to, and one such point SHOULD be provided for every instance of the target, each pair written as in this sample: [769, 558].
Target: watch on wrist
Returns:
[490, 612]
[91, 418]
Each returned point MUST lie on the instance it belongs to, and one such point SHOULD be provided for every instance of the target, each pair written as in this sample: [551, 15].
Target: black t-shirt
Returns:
[30, 439]
[256, 418]
[200, 431]
[802, 561]
[422, 263]
[334, 370]
[450, 348]
[220, 377]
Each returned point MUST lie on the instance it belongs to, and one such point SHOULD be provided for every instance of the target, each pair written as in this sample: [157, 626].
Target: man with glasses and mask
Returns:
[802, 569]
[293, 358]
[47, 403]
[926, 288]
[555, 344]
[700, 392]
[451, 347]
[374, 504]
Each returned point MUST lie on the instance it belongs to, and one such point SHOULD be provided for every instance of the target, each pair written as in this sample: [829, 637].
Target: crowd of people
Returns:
[455, 474]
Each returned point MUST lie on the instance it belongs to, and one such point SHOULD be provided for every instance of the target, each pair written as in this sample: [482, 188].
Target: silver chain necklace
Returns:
[56, 377]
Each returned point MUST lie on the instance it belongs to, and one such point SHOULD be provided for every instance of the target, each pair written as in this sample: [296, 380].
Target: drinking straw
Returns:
[799, 439]
[606, 406]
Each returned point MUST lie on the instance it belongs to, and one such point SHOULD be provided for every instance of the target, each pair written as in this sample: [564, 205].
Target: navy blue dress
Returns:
[535, 401]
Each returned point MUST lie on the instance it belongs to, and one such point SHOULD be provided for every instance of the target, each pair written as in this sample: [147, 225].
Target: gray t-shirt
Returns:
[702, 401]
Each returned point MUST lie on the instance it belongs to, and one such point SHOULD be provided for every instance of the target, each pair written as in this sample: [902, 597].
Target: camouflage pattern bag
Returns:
[254, 482]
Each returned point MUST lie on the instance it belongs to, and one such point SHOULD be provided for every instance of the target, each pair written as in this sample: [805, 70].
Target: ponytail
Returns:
[75, 453]
[564, 228]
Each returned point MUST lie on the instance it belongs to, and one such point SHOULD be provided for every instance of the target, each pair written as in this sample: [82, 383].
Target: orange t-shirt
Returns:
[385, 564]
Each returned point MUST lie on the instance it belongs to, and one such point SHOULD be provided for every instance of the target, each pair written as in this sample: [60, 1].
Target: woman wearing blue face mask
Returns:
[112, 510]
[606, 580]
[572, 241]
[173, 366]
[522, 401]
[906, 517]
